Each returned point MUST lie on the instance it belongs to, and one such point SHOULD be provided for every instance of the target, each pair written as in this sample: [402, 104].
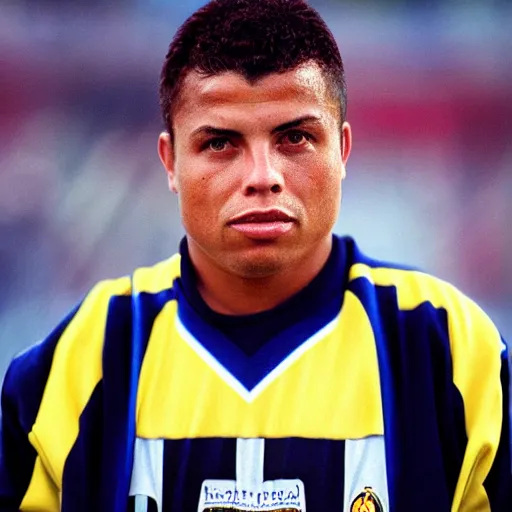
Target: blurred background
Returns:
[83, 195]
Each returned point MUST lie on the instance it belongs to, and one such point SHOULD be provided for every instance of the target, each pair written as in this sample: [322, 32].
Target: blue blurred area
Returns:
[83, 196]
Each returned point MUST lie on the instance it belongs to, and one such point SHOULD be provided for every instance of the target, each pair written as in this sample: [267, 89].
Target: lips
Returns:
[261, 217]
[263, 225]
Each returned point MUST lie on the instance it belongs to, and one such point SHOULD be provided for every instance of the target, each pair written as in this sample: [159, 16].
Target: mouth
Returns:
[261, 217]
[263, 224]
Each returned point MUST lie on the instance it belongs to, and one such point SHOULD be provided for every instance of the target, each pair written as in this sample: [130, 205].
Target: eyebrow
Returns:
[295, 123]
[226, 132]
[216, 132]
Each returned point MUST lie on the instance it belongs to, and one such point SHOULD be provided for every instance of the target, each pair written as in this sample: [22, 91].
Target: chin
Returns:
[261, 270]
[258, 266]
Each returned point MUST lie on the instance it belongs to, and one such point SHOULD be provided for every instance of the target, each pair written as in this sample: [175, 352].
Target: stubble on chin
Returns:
[256, 266]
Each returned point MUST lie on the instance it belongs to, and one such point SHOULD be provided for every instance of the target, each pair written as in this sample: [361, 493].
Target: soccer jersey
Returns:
[375, 388]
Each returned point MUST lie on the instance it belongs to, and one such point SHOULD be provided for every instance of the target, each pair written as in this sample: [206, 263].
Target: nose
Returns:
[262, 174]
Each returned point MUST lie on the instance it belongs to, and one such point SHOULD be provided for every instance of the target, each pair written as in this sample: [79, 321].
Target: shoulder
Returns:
[95, 307]
[411, 288]
[28, 373]
[89, 310]
[75, 347]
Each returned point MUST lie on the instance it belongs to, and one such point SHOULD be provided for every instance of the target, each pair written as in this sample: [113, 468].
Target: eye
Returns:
[296, 138]
[217, 145]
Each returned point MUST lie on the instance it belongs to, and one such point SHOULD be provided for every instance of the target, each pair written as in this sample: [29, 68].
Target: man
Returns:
[270, 365]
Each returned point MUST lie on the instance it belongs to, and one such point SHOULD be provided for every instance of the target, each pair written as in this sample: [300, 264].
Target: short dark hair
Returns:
[253, 38]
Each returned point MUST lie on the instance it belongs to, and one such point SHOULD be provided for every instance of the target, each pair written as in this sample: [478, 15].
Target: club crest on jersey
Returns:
[366, 501]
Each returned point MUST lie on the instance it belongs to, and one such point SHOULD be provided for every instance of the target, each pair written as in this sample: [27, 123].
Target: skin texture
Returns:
[219, 176]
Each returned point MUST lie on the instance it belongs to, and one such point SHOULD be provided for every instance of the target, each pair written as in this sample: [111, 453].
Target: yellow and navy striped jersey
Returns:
[376, 388]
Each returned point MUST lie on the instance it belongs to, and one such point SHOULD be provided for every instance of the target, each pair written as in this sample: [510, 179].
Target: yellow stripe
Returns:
[476, 348]
[476, 353]
[181, 396]
[75, 372]
[413, 288]
[157, 278]
[42, 495]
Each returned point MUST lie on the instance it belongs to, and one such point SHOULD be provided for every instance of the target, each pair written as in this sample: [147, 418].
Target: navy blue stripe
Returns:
[188, 463]
[22, 393]
[129, 325]
[82, 478]
[423, 410]
[498, 483]
[319, 463]
[118, 360]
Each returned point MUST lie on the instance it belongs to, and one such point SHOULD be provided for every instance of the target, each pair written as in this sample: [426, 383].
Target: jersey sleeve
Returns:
[25, 484]
[498, 483]
[17, 456]
[45, 391]
[481, 369]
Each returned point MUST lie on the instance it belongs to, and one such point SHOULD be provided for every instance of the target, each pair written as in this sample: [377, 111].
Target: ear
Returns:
[166, 154]
[346, 145]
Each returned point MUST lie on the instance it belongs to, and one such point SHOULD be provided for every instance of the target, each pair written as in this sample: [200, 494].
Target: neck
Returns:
[232, 294]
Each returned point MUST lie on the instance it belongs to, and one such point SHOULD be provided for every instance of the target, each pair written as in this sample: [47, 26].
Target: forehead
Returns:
[301, 88]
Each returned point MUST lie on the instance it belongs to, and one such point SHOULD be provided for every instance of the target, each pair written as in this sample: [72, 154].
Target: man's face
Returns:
[257, 168]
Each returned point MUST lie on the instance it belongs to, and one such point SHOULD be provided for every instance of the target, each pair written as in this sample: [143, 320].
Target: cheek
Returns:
[201, 196]
[329, 196]
[321, 182]
[190, 197]
[323, 196]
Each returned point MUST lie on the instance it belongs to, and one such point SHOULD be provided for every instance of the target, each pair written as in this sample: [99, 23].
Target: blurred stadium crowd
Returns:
[83, 197]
